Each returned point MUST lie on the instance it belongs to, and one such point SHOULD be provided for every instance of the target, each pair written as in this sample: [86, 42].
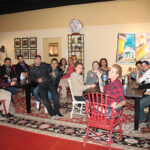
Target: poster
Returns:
[126, 51]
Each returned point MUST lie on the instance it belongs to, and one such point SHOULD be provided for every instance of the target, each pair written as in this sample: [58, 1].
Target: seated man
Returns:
[40, 73]
[147, 130]
[6, 95]
[21, 66]
[144, 102]
[137, 71]
[64, 80]
[8, 75]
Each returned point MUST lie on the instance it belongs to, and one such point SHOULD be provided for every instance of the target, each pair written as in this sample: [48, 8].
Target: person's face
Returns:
[54, 64]
[20, 60]
[139, 66]
[103, 63]
[7, 63]
[95, 66]
[63, 62]
[79, 69]
[113, 74]
[145, 67]
[37, 61]
[70, 61]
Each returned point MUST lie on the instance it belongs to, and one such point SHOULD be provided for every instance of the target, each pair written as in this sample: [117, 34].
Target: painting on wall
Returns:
[17, 53]
[25, 53]
[133, 47]
[126, 51]
[25, 42]
[17, 42]
[143, 46]
[33, 42]
[33, 53]
[53, 49]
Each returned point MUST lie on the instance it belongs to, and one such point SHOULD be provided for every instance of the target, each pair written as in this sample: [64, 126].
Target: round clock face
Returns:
[75, 26]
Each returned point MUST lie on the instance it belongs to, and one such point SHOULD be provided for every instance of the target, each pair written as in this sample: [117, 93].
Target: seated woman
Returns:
[103, 64]
[63, 66]
[114, 88]
[77, 82]
[92, 74]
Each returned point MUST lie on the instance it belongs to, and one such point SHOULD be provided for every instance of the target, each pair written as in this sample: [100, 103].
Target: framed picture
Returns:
[33, 53]
[25, 42]
[17, 42]
[53, 49]
[25, 53]
[33, 42]
[17, 53]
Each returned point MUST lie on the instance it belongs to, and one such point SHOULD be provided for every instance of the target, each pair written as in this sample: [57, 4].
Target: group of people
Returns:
[48, 77]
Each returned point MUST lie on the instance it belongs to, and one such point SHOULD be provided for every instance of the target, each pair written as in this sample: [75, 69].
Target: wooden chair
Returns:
[101, 116]
[3, 103]
[78, 107]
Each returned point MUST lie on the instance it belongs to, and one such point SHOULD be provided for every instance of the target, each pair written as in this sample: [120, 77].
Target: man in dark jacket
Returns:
[21, 66]
[40, 73]
[7, 74]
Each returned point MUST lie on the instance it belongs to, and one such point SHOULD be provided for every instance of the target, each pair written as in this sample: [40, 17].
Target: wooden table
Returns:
[131, 92]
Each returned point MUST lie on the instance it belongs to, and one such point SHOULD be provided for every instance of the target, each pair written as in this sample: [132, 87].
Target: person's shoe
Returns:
[145, 130]
[53, 116]
[38, 105]
[59, 114]
[46, 110]
[9, 115]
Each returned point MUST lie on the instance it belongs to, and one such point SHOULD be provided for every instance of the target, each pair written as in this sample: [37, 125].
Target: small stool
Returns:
[3, 102]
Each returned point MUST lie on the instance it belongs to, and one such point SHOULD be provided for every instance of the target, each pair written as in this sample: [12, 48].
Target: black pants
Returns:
[44, 88]
[79, 98]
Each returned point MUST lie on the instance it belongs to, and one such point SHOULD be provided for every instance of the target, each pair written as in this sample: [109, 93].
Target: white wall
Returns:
[100, 41]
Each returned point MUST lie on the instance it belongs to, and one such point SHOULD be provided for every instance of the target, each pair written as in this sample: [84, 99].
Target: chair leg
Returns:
[5, 109]
[72, 110]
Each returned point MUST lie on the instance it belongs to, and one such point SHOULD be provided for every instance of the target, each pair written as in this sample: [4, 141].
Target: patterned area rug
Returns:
[39, 121]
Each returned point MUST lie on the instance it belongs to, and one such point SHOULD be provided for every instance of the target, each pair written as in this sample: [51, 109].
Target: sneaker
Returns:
[59, 114]
[38, 105]
[46, 110]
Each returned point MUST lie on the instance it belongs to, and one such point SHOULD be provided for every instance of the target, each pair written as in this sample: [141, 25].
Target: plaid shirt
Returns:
[115, 90]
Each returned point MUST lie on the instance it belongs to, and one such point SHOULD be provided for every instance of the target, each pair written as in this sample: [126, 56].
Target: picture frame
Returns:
[25, 53]
[17, 53]
[33, 42]
[25, 42]
[53, 49]
[33, 53]
[17, 42]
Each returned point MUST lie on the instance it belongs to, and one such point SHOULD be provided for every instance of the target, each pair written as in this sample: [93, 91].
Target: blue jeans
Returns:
[36, 92]
[11, 89]
[144, 102]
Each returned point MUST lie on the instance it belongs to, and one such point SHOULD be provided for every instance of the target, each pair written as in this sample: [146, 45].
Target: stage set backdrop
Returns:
[133, 47]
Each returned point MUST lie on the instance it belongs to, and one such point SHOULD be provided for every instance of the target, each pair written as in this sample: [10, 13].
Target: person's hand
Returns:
[99, 74]
[63, 68]
[135, 86]
[39, 80]
[13, 83]
[130, 69]
[14, 79]
[114, 104]
[6, 76]
[53, 74]
[93, 85]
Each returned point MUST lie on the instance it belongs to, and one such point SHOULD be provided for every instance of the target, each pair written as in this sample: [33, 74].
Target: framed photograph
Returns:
[17, 42]
[17, 53]
[25, 42]
[33, 42]
[25, 53]
[53, 49]
[33, 53]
